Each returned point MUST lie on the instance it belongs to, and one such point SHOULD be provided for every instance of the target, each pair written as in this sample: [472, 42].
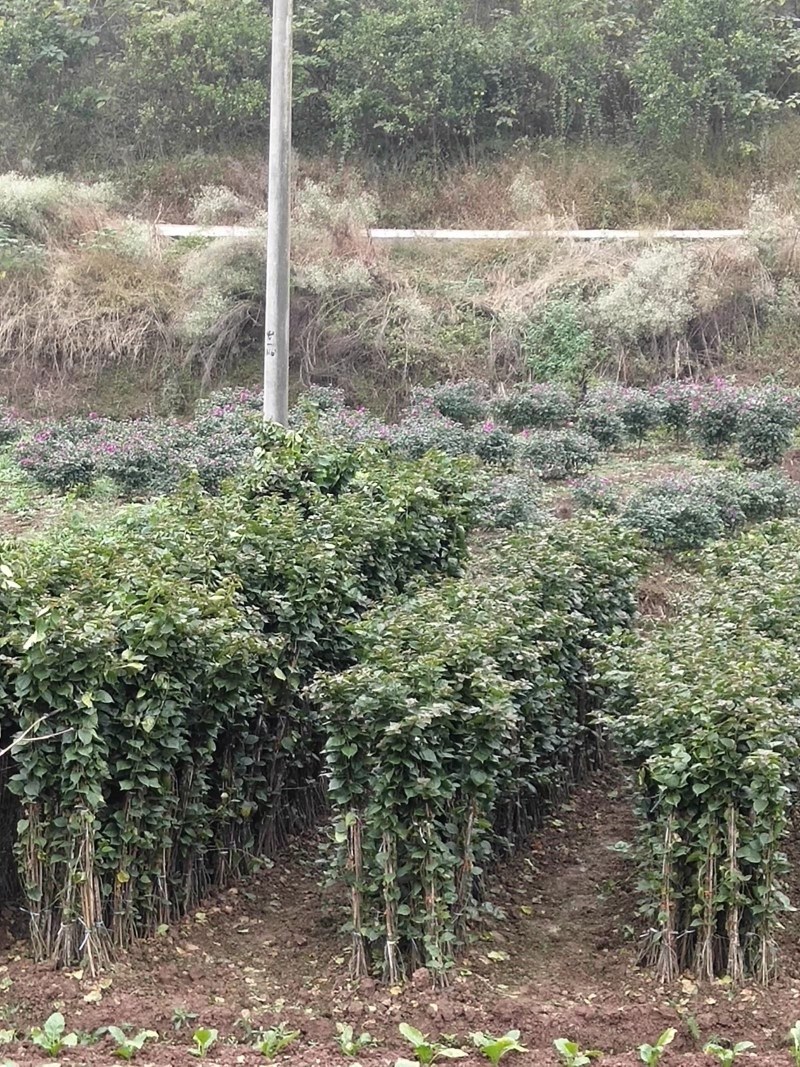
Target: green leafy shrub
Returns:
[219, 55]
[494, 445]
[597, 494]
[435, 751]
[508, 501]
[465, 401]
[557, 454]
[556, 344]
[529, 407]
[425, 429]
[678, 515]
[641, 413]
[677, 73]
[57, 462]
[676, 399]
[431, 75]
[600, 419]
[707, 716]
[673, 516]
[246, 596]
[765, 427]
[715, 417]
[10, 426]
[142, 461]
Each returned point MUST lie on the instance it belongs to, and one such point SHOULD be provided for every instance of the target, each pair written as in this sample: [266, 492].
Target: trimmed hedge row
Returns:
[544, 427]
[159, 663]
[470, 710]
[706, 710]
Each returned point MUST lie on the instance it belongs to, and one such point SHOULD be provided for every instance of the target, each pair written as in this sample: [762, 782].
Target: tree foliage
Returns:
[118, 79]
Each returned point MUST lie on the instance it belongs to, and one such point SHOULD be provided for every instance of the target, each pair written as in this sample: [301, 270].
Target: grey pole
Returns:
[276, 342]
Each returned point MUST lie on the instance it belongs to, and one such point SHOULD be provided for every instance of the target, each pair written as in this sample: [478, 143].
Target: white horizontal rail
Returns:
[174, 230]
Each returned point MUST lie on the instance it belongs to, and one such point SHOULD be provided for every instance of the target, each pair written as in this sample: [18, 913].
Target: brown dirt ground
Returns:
[561, 962]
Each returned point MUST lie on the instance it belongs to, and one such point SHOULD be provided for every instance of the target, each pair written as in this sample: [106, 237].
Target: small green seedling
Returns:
[270, 1042]
[350, 1043]
[651, 1054]
[127, 1047]
[794, 1042]
[494, 1048]
[180, 1017]
[572, 1055]
[8, 1037]
[726, 1056]
[52, 1037]
[425, 1050]
[204, 1040]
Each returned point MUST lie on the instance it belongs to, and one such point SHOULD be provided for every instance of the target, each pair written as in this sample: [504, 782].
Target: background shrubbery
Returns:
[136, 79]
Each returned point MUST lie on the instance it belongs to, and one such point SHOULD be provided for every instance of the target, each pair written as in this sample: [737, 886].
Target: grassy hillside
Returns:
[96, 313]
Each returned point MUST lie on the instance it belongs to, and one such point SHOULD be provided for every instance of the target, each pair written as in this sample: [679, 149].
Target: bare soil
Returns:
[561, 961]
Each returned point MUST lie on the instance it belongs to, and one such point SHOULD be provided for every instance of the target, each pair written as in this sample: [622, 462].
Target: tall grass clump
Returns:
[51, 208]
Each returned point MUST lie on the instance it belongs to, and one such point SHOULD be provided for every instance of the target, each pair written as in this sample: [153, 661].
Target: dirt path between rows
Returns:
[560, 961]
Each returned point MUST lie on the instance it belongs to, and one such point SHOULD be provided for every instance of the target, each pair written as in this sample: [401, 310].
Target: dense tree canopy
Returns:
[114, 80]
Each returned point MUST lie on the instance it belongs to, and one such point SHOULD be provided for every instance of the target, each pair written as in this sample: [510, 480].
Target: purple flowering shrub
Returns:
[599, 417]
[675, 515]
[558, 454]
[765, 426]
[714, 416]
[596, 494]
[677, 400]
[614, 413]
[507, 502]
[466, 401]
[641, 412]
[141, 458]
[543, 406]
[62, 457]
[494, 445]
[425, 429]
[10, 426]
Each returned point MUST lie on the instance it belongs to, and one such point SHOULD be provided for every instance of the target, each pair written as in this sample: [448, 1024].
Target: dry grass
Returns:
[87, 309]
[88, 312]
[589, 185]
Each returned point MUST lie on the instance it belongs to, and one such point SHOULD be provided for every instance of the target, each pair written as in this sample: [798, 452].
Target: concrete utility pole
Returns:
[276, 342]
